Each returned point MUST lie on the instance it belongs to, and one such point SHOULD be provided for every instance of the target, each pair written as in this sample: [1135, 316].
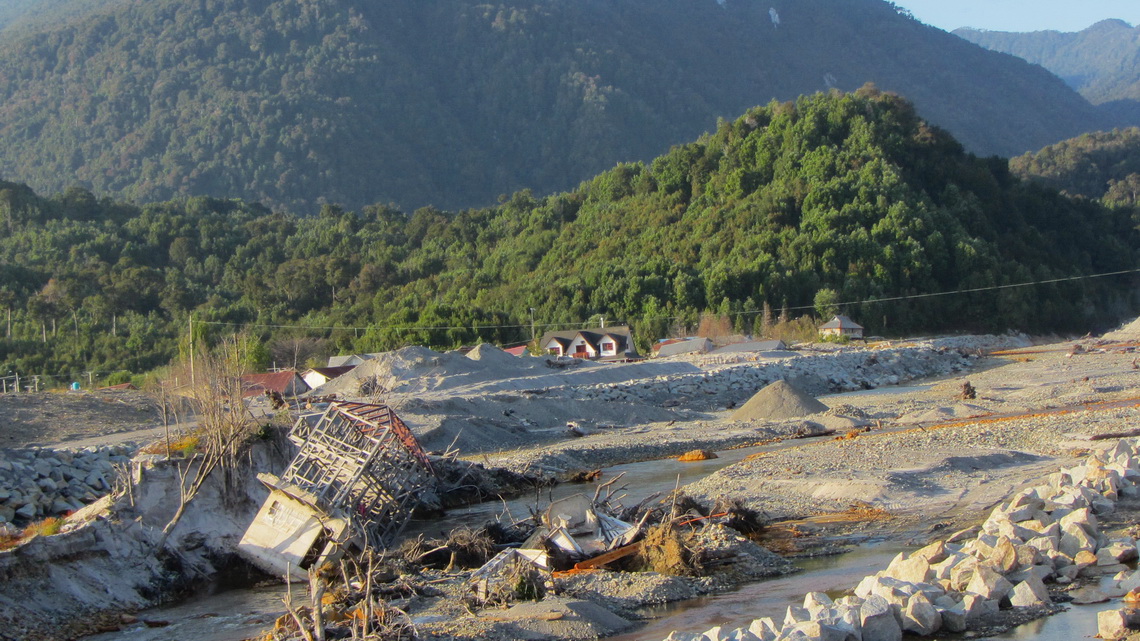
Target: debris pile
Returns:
[1047, 533]
[354, 482]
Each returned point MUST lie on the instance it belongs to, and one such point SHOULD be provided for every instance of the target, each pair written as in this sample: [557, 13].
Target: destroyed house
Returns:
[354, 482]
[606, 343]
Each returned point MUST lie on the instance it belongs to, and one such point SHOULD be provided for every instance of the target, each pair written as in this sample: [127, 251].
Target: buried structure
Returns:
[353, 482]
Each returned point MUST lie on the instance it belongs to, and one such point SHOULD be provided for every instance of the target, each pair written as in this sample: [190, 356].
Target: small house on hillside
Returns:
[285, 383]
[318, 376]
[841, 326]
[605, 343]
[684, 346]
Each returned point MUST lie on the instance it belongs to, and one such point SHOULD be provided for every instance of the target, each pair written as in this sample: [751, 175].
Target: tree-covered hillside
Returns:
[293, 103]
[850, 195]
[1101, 62]
[1102, 166]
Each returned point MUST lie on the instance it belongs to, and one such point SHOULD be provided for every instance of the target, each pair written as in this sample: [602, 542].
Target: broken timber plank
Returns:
[608, 557]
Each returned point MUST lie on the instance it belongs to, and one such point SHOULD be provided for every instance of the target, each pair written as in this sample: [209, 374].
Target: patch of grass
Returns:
[46, 527]
[183, 446]
[7, 542]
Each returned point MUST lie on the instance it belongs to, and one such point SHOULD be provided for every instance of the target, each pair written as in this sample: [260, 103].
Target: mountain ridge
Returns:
[831, 198]
[452, 103]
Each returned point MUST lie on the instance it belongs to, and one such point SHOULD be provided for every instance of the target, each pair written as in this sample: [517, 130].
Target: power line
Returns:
[411, 328]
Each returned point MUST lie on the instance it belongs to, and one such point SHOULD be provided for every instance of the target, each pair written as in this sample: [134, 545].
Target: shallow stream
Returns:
[240, 614]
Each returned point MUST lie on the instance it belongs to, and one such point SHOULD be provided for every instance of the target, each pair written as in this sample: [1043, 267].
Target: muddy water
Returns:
[232, 615]
[641, 480]
[771, 597]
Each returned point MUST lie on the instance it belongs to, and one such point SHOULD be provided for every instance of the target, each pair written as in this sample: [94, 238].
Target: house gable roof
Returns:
[841, 322]
[283, 382]
[332, 372]
[619, 333]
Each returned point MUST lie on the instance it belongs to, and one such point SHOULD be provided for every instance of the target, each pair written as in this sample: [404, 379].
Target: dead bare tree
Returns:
[224, 423]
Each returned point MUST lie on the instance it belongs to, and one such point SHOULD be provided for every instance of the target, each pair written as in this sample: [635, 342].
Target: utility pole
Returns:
[532, 324]
[191, 349]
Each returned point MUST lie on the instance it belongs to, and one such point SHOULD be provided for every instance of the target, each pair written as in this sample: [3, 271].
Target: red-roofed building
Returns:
[285, 383]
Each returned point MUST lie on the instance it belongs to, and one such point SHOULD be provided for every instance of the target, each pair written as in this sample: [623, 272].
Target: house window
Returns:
[608, 348]
[580, 349]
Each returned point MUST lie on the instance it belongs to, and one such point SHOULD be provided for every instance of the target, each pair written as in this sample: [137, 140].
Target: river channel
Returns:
[234, 615]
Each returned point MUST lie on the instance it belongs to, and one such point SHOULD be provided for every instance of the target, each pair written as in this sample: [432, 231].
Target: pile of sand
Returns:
[778, 401]
[416, 370]
[1129, 332]
[957, 411]
[408, 370]
[490, 356]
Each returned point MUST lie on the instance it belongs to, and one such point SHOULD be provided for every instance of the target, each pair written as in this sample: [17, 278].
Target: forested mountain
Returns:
[1101, 62]
[1102, 166]
[836, 197]
[452, 102]
[16, 15]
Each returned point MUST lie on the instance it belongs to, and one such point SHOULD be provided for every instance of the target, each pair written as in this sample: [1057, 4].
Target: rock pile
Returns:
[1049, 532]
[820, 373]
[37, 483]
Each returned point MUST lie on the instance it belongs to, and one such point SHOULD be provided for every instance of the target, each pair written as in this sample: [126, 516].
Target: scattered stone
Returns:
[697, 455]
[1117, 624]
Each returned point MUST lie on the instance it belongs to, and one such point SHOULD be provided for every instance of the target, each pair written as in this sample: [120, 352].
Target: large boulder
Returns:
[1028, 593]
[988, 584]
[1117, 624]
[920, 616]
[877, 620]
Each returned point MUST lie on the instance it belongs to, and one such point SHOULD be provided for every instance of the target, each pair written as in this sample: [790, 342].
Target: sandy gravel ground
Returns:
[64, 418]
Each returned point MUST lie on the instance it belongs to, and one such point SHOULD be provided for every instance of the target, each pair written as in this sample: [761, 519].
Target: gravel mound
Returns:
[488, 354]
[1129, 332]
[947, 413]
[778, 401]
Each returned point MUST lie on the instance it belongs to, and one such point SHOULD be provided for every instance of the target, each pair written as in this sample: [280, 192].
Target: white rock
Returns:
[921, 617]
[1029, 592]
[1117, 624]
[764, 629]
[988, 584]
[877, 620]
[954, 618]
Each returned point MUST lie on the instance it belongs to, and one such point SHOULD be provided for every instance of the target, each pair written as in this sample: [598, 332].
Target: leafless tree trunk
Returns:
[224, 422]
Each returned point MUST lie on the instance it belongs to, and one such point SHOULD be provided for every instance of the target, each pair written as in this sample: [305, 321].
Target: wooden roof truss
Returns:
[359, 461]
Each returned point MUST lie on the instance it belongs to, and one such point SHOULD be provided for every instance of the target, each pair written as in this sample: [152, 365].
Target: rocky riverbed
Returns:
[908, 464]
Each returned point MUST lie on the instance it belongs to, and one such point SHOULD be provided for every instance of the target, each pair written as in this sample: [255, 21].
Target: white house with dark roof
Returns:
[605, 343]
[841, 326]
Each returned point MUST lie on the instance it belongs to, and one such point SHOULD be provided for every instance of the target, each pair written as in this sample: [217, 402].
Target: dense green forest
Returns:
[1102, 166]
[851, 195]
[1099, 62]
[294, 103]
